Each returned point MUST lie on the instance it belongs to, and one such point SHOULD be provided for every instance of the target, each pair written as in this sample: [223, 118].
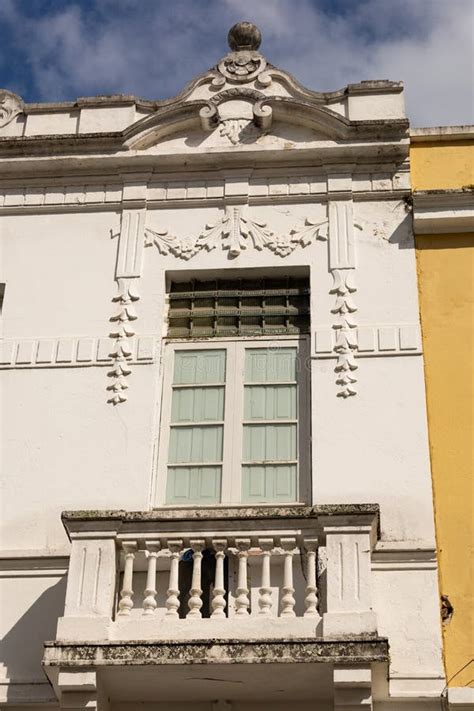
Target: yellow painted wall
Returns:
[446, 288]
[442, 165]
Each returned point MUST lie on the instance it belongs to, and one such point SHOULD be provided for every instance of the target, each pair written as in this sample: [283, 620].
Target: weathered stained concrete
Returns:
[215, 651]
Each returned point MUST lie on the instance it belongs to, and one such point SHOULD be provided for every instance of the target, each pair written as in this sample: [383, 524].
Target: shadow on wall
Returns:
[402, 236]
[21, 649]
[462, 240]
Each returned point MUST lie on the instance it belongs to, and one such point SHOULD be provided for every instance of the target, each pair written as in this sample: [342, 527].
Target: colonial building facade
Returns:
[217, 487]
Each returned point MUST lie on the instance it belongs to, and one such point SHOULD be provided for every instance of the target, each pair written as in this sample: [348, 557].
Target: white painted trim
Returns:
[442, 133]
[33, 564]
[31, 195]
[415, 686]
[443, 211]
[70, 351]
[373, 340]
[461, 698]
[388, 556]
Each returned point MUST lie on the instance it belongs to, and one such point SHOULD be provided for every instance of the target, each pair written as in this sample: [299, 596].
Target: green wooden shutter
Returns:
[270, 441]
[197, 427]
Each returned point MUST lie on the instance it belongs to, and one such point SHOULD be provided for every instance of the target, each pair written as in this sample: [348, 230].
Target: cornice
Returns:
[96, 158]
[443, 211]
[440, 134]
[357, 134]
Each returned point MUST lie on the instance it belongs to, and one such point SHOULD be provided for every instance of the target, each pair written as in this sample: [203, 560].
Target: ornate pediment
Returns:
[240, 98]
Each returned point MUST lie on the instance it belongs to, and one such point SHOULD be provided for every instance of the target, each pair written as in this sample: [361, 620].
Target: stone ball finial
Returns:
[244, 36]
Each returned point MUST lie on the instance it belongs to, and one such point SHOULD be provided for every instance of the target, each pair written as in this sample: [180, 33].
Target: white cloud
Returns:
[152, 49]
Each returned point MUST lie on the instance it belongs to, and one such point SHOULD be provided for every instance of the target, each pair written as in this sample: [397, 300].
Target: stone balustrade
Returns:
[266, 553]
[229, 573]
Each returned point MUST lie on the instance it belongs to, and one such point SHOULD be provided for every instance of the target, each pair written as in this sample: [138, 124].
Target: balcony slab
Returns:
[214, 651]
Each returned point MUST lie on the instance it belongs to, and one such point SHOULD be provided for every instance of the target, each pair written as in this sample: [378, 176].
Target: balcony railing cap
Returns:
[311, 520]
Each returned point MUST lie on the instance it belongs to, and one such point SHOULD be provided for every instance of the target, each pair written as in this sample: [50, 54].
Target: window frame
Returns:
[232, 457]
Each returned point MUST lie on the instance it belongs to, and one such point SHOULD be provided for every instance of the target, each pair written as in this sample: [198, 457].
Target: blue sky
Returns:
[58, 50]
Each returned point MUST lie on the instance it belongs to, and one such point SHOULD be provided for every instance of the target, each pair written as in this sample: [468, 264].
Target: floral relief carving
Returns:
[233, 231]
[309, 232]
[242, 65]
[122, 350]
[170, 244]
[346, 339]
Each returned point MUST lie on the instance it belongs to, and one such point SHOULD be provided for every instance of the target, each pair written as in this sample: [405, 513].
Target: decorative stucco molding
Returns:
[83, 351]
[244, 63]
[10, 106]
[372, 340]
[122, 350]
[341, 263]
[131, 243]
[234, 230]
[239, 130]
[128, 270]
[87, 351]
[346, 339]
[32, 196]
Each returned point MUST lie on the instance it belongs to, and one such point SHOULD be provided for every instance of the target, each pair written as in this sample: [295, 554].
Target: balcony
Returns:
[217, 586]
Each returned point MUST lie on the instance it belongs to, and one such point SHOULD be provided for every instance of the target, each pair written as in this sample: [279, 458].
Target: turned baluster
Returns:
[126, 593]
[149, 602]
[195, 602]
[265, 599]
[311, 598]
[288, 601]
[218, 594]
[242, 602]
[172, 594]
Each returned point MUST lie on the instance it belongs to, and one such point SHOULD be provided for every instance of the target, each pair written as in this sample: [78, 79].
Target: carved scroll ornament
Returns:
[10, 106]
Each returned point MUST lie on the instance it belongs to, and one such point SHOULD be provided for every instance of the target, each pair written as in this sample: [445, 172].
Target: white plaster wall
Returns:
[406, 601]
[376, 106]
[373, 447]
[59, 271]
[30, 604]
[97, 119]
[55, 123]
[65, 447]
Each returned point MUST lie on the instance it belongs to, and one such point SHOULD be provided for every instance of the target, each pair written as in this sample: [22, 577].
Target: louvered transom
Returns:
[240, 307]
